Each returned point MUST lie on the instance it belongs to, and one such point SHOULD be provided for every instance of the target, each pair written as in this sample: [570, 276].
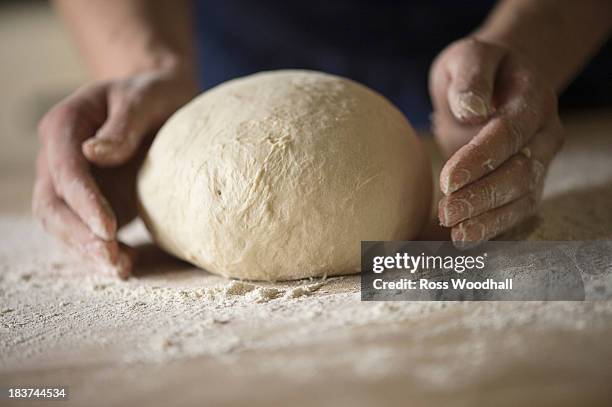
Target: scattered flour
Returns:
[232, 291]
[62, 314]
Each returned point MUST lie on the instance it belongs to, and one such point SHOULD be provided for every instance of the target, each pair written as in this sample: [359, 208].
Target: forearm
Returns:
[557, 36]
[119, 38]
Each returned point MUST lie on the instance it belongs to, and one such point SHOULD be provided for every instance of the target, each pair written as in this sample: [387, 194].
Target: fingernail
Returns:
[458, 234]
[99, 147]
[457, 179]
[460, 238]
[455, 211]
[102, 148]
[469, 104]
[123, 267]
[469, 234]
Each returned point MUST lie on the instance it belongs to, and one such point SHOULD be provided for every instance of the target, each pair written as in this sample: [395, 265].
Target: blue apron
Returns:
[388, 45]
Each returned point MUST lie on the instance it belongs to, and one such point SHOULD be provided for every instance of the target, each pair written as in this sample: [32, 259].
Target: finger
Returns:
[449, 134]
[119, 138]
[74, 183]
[501, 138]
[471, 232]
[62, 132]
[472, 71]
[128, 257]
[59, 220]
[439, 79]
[522, 174]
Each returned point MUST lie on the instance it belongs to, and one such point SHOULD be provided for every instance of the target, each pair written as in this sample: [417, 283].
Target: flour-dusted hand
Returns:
[497, 120]
[89, 156]
[495, 108]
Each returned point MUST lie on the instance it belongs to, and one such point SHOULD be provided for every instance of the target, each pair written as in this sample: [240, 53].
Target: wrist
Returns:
[169, 63]
[555, 37]
[175, 73]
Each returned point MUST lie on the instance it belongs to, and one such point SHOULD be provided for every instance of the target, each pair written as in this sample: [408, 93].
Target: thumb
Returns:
[472, 73]
[118, 139]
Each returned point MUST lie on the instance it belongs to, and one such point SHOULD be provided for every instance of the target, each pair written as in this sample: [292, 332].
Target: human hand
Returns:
[497, 120]
[91, 146]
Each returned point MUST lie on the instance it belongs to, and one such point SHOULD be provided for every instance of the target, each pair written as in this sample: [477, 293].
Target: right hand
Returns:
[496, 118]
[86, 168]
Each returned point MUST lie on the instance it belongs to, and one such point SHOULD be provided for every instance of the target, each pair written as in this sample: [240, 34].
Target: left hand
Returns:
[497, 120]
[92, 145]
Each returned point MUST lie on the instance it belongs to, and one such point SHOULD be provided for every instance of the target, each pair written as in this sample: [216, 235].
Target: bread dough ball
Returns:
[281, 175]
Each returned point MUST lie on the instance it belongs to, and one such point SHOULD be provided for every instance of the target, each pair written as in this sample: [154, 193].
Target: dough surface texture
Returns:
[280, 175]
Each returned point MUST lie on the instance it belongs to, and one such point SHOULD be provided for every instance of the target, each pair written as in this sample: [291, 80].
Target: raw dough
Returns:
[280, 175]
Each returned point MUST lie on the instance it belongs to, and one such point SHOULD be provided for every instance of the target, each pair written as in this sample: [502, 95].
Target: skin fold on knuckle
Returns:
[488, 194]
[511, 134]
[474, 160]
[499, 141]
[454, 174]
[519, 177]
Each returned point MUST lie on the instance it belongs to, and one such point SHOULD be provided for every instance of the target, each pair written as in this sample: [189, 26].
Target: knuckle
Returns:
[458, 47]
[470, 44]
[58, 117]
[511, 133]
[466, 43]
[525, 79]
[522, 169]
[489, 194]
